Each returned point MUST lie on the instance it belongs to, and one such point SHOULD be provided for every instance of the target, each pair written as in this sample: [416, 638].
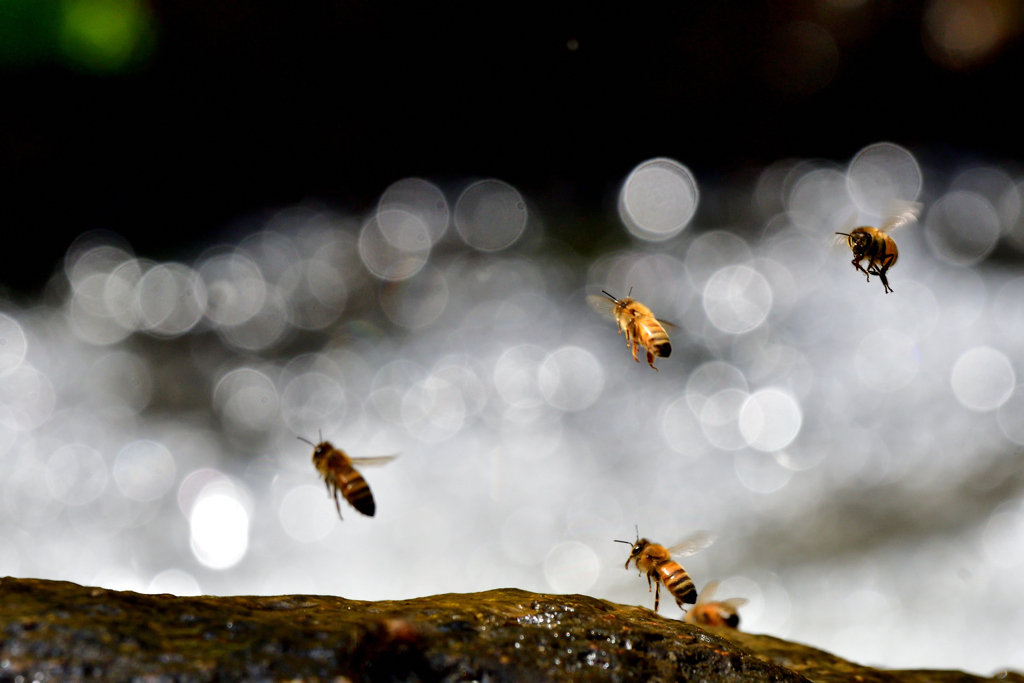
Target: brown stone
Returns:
[55, 630]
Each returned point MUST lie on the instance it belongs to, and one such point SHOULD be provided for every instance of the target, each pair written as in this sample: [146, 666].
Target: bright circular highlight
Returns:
[144, 470]
[962, 228]
[658, 199]
[737, 299]
[572, 567]
[770, 419]
[571, 378]
[307, 514]
[490, 215]
[220, 530]
[983, 379]
[881, 175]
[13, 344]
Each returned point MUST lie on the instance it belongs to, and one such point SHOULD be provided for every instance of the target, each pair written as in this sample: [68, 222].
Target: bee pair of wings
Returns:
[707, 595]
[692, 544]
[373, 461]
[606, 307]
[900, 215]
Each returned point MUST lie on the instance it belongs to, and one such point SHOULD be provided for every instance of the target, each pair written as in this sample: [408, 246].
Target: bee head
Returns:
[637, 546]
[856, 239]
[319, 449]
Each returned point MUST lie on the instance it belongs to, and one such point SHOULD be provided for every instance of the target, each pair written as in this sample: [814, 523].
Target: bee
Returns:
[657, 561]
[341, 478]
[638, 323]
[876, 245]
[708, 612]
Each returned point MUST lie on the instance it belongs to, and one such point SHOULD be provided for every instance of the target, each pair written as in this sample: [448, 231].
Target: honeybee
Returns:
[708, 612]
[639, 324]
[877, 246]
[340, 477]
[657, 561]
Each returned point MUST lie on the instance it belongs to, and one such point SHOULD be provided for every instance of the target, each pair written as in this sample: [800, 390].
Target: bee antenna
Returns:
[637, 532]
[630, 292]
[320, 435]
[306, 440]
[626, 542]
[844, 234]
[609, 296]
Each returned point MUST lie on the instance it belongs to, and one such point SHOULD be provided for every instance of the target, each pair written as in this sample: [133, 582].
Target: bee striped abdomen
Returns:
[678, 582]
[356, 491]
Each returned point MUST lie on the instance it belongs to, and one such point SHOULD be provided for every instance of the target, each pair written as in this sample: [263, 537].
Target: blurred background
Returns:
[230, 224]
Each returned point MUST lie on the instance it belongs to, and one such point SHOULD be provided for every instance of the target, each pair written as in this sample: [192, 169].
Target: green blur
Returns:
[95, 36]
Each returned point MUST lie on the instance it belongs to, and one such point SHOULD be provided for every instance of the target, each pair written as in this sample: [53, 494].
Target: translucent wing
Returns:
[692, 544]
[708, 593]
[374, 461]
[667, 325]
[902, 214]
[602, 304]
[735, 603]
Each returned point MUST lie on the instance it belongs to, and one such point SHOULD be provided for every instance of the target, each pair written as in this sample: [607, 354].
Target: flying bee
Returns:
[876, 245]
[341, 478]
[638, 323]
[708, 612]
[657, 561]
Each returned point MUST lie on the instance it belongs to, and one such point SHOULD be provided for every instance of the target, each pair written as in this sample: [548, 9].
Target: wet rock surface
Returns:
[54, 630]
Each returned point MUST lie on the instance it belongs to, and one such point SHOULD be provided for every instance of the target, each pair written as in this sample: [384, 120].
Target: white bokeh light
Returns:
[13, 344]
[144, 470]
[770, 419]
[658, 199]
[961, 228]
[760, 472]
[307, 514]
[882, 174]
[983, 379]
[219, 527]
[737, 299]
[719, 418]
[174, 582]
[419, 198]
[572, 567]
[681, 428]
[172, 298]
[490, 215]
[76, 474]
[400, 253]
[571, 378]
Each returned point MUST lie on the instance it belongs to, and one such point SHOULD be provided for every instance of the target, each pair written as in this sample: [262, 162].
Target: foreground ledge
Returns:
[55, 630]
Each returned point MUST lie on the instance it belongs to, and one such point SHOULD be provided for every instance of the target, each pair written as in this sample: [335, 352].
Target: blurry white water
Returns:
[858, 454]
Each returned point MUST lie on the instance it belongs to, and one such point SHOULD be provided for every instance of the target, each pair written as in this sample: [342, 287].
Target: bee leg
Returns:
[650, 360]
[856, 264]
[657, 596]
[337, 505]
[881, 274]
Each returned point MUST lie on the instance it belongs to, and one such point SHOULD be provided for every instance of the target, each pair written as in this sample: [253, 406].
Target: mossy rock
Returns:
[55, 630]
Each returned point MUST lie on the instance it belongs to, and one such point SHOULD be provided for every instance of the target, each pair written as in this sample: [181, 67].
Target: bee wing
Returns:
[903, 213]
[667, 325]
[735, 603]
[602, 305]
[373, 461]
[708, 593]
[692, 544]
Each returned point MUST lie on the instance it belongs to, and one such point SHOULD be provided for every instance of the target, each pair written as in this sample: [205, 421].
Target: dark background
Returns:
[243, 106]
